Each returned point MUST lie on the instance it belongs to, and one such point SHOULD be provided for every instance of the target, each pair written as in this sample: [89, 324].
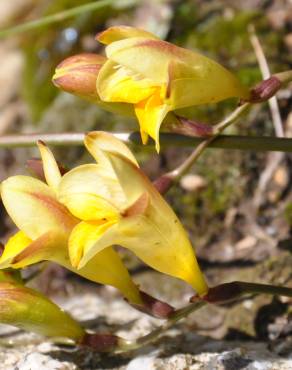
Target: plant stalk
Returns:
[54, 18]
[220, 294]
[130, 345]
[230, 142]
[178, 172]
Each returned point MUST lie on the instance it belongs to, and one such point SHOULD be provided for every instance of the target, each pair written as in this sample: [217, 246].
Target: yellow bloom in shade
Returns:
[158, 77]
[45, 225]
[118, 205]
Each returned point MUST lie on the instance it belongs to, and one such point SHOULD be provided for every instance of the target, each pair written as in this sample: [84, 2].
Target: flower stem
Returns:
[285, 76]
[54, 18]
[178, 172]
[129, 345]
[220, 294]
[223, 293]
[233, 142]
[262, 92]
[227, 292]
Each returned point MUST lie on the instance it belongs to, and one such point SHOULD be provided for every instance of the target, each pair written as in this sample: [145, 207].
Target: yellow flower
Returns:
[118, 205]
[158, 77]
[45, 225]
[147, 77]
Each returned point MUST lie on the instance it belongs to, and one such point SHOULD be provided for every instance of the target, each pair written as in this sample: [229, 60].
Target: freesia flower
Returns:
[153, 76]
[118, 205]
[45, 225]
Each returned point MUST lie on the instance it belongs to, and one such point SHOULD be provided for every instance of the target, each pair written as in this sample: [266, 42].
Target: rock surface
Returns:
[179, 349]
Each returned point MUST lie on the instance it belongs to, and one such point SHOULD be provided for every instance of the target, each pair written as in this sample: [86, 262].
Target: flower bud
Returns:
[265, 90]
[77, 75]
[27, 309]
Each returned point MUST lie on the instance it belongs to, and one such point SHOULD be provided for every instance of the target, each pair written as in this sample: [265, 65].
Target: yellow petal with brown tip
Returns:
[33, 206]
[51, 168]
[104, 268]
[98, 141]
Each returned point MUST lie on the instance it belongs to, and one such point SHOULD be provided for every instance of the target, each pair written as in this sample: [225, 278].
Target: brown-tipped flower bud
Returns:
[77, 75]
[265, 90]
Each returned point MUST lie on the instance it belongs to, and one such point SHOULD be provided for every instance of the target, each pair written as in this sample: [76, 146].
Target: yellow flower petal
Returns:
[104, 268]
[51, 246]
[117, 33]
[152, 60]
[151, 113]
[143, 56]
[169, 253]
[162, 220]
[98, 141]
[88, 206]
[156, 236]
[107, 268]
[33, 207]
[118, 84]
[202, 83]
[87, 183]
[16, 243]
[83, 237]
[51, 168]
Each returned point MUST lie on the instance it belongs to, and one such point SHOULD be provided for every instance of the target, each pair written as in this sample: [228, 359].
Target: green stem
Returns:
[220, 294]
[234, 142]
[221, 126]
[248, 288]
[227, 292]
[129, 345]
[285, 76]
[178, 172]
[54, 18]
[30, 140]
